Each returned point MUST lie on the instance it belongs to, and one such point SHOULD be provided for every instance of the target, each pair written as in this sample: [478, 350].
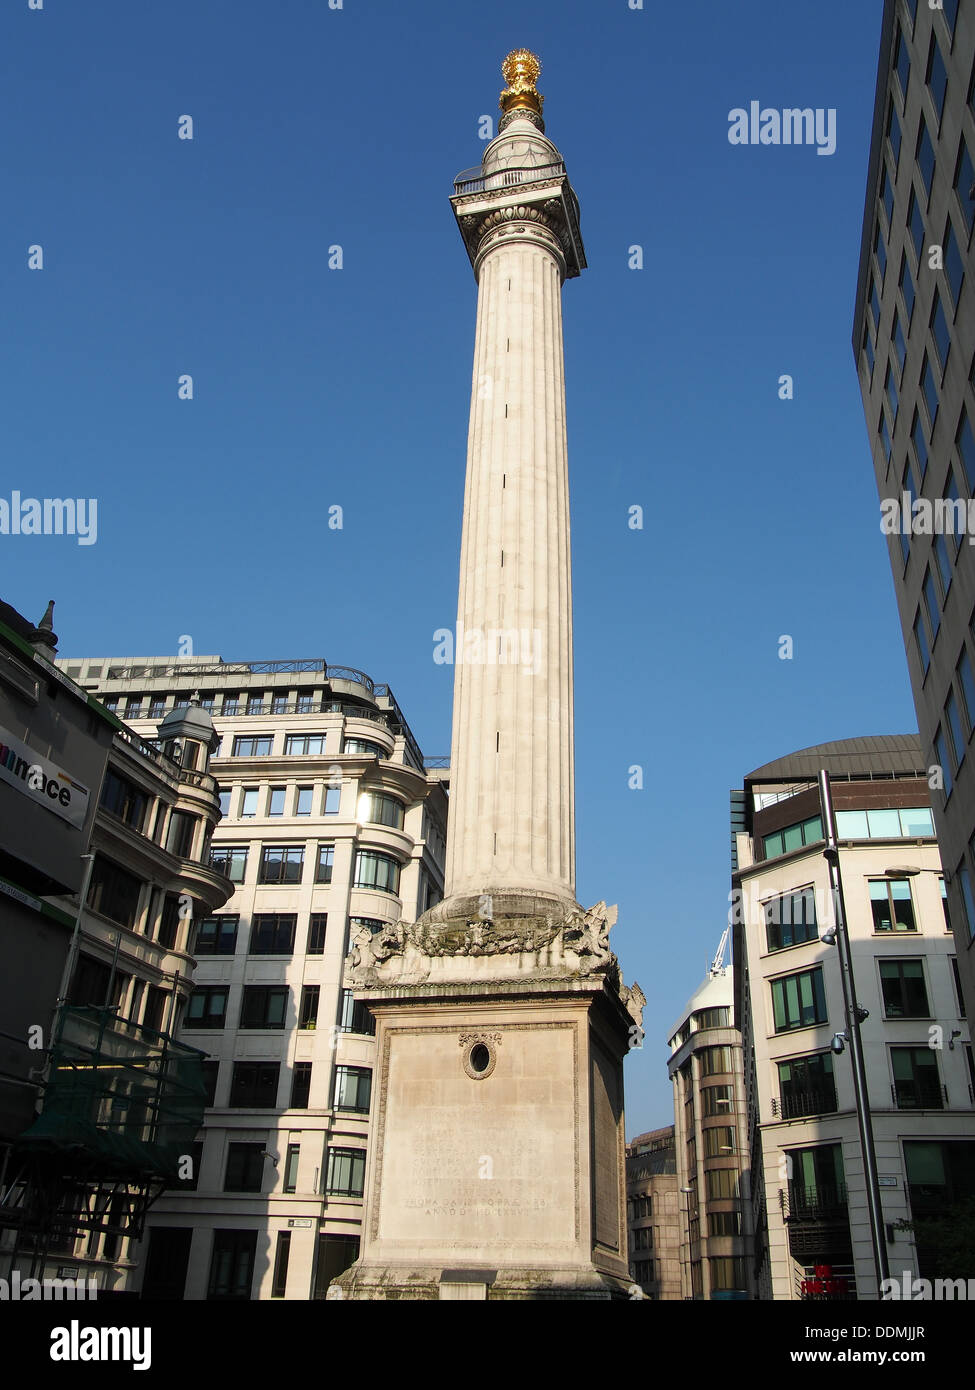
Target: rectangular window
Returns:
[964, 179]
[216, 936]
[941, 749]
[902, 983]
[378, 809]
[248, 803]
[300, 1085]
[303, 806]
[716, 1100]
[790, 920]
[721, 1183]
[719, 1141]
[225, 804]
[211, 1072]
[169, 922]
[304, 745]
[345, 1173]
[375, 870]
[965, 883]
[798, 1001]
[264, 1006]
[807, 832]
[232, 1265]
[925, 157]
[937, 78]
[254, 1086]
[229, 860]
[252, 746]
[207, 1007]
[333, 796]
[279, 702]
[255, 701]
[276, 806]
[245, 1168]
[282, 1254]
[716, 1061]
[353, 1089]
[917, 1085]
[281, 864]
[231, 702]
[182, 828]
[953, 725]
[124, 799]
[891, 904]
[335, 1254]
[724, 1223]
[308, 1006]
[944, 903]
[272, 934]
[317, 923]
[114, 893]
[956, 979]
[355, 1016]
[806, 1086]
[326, 856]
[291, 1168]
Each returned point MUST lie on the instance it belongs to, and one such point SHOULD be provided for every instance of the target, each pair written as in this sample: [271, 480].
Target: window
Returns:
[724, 1223]
[925, 157]
[317, 923]
[887, 198]
[263, 1006]
[790, 920]
[907, 485]
[346, 1171]
[252, 746]
[154, 1012]
[133, 707]
[956, 978]
[643, 1238]
[355, 1017]
[254, 1086]
[114, 892]
[255, 701]
[225, 803]
[379, 809]
[273, 934]
[916, 223]
[868, 351]
[921, 642]
[955, 512]
[965, 883]
[248, 805]
[917, 1085]
[817, 1187]
[875, 304]
[953, 725]
[216, 936]
[890, 902]
[335, 1254]
[303, 805]
[179, 839]
[941, 749]
[716, 1061]
[276, 806]
[374, 870]
[937, 78]
[893, 132]
[300, 1085]
[279, 702]
[332, 799]
[890, 388]
[230, 860]
[207, 701]
[931, 603]
[211, 1071]
[798, 1001]
[89, 983]
[363, 745]
[231, 702]
[902, 983]
[232, 1265]
[703, 1018]
[902, 63]
[939, 331]
[964, 179]
[323, 870]
[353, 1088]
[281, 864]
[245, 1168]
[716, 1100]
[282, 1253]
[727, 1272]
[792, 837]
[944, 904]
[806, 1086]
[884, 429]
[950, 12]
[906, 282]
[124, 799]
[721, 1183]
[954, 265]
[920, 446]
[965, 444]
[308, 1006]
[291, 1168]
[304, 745]
[718, 1141]
[900, 345]
[207, 1007]
[169, 920]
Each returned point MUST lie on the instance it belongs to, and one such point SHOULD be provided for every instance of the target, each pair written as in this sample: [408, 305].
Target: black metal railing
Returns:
[476, 181]
[794, 1104]
[818, 1202]
[919, 1095]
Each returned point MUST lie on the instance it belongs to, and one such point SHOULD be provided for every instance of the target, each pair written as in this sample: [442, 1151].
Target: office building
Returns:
[653, 1214]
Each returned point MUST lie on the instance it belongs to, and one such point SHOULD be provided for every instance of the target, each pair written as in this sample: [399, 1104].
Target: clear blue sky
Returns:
[313, 387]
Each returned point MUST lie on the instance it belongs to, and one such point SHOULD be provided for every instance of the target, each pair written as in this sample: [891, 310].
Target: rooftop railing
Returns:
[475, 180]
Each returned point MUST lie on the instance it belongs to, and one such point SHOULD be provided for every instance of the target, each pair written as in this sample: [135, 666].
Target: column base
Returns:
[429, 1283]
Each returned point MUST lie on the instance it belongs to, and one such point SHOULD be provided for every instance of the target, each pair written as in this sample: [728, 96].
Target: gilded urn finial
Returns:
[520, 70]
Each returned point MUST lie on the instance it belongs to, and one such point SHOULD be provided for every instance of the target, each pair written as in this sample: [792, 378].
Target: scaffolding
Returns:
[122, 1107]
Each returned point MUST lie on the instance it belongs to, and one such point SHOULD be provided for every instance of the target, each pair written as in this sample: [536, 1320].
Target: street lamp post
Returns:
[841, 937]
